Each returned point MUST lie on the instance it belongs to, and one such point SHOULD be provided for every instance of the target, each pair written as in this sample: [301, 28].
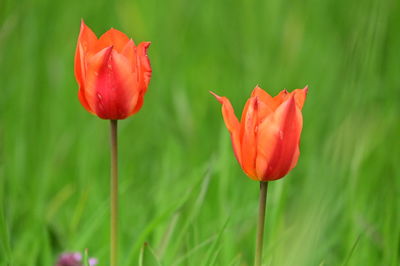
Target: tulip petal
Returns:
[278, 141]
[300, 96]
[264, 97]
[281, 97]
[80, 73]
[128, 87]
[129, 51]
[94, 66]
[144, 73]
[110, 85]
[232, 124]
[114, 38]
[266, 104]
[86, 41]
[249, 138]
[83, 101]
[143, 65]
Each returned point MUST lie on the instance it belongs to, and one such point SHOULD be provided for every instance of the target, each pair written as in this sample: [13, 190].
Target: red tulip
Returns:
[266, 140]
[112, 73]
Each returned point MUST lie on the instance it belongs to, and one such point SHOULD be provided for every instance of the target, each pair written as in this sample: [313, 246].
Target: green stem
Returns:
[114, 192]
[261, 222]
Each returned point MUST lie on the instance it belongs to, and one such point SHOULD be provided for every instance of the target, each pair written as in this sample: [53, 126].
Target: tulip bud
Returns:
[266, 140]
[112, 72]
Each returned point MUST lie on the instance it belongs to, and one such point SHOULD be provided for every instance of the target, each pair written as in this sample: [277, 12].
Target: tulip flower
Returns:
[112, 72]
[266, 140]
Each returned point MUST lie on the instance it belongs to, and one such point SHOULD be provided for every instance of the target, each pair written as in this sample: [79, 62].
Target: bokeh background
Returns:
[181, 190]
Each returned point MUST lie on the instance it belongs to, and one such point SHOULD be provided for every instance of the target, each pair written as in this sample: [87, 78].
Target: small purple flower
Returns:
[73, 259]
[93, 262]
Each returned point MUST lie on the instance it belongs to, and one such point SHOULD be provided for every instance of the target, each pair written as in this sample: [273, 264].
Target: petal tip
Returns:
[144, 45]
[256, 89]
[83, 25]
[107, 51]
[219, 98]
[291, 100]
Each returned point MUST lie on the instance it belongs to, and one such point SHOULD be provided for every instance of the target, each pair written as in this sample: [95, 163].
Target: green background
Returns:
[181, 189]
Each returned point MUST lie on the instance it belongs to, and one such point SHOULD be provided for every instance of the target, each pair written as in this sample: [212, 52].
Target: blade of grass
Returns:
[353, 248]
[211, 255]
[86, 258]
[147, 257]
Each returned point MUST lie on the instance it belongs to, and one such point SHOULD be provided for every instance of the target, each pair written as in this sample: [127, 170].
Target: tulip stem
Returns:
[261, 222]
[114, 192]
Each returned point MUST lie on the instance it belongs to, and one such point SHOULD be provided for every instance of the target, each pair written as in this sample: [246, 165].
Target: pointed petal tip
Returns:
[219, 98]
[255, 99]
[83, 25]
[306, 89]
[118, 33]
[255, 102]
[144, 45]
[107, 51]
[291, 99]
[256, 89]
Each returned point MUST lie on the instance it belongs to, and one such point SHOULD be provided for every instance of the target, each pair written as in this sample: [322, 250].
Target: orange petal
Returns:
[129, 51]
[278, 141]
[244, 112]
[249, 140]
[128, 85]
[80, 69]
[300, 96]
[232, 123]
[79, 65]
[144, 67]
[94, 66]
[281, 97]
[264, 97]
[113, 38]
[266, 104]
[111, 88]
[143, 70]
[86, 41]
[83, 101]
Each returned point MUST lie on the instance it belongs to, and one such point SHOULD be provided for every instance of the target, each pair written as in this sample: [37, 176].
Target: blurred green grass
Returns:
[182, 191]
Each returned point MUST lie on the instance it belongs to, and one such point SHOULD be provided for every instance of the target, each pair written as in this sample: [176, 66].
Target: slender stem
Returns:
[261, 222]
[114, 192]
